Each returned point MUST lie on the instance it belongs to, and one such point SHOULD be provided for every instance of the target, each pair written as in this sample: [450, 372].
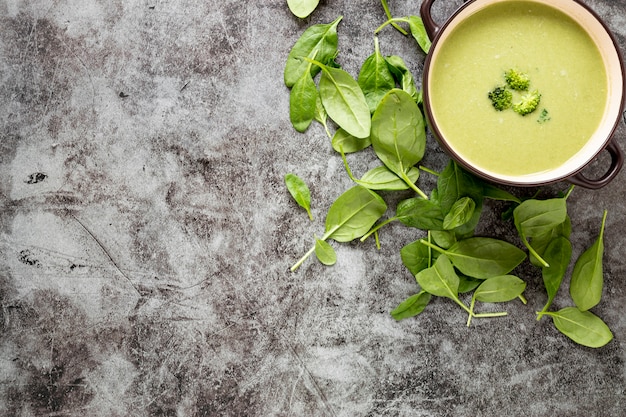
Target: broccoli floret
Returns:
[528, 103]
[517, 80]
[501, 98]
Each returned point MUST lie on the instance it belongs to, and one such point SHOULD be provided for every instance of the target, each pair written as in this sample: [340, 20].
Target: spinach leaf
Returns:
[499, 289]
[299, 191]
[320, 113]
[398, 134]
[416, 25]
[302, 102]
[343, 142]
[318, 42]
[344, 101]
[420, 213]
[541, 242]
[482, 257]
[353, 214]
[440, 279]
[443, 238]
[402, 75]
[302, 8]
[375, 79]
[587, 277]
[460, 213]
[583, 327]
[324, 252]
[494, 193]
[416, 257]
[381, 178]
[455, 183]
[537, 217]
[467, 284]
[558, 254]
[412, 306]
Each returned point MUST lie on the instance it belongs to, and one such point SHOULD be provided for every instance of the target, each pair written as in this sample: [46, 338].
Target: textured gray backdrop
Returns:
[146, 234]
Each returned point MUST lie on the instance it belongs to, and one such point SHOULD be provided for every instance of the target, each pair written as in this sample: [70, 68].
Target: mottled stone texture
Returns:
[146, 234]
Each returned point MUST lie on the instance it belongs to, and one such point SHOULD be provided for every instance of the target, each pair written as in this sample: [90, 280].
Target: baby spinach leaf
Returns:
[583, 327]
[324, 252]
[440, 279]
[381, 178]
[420, 213]
[482, 257]
[541, 242]
[443, 238]
[344, 101]
[302, 8]
[467, 284]
[412, 306]
[302, 102]
[375, 79]
[455, 183]
[320, 113]
[494, 193]
[317, 42]
[415, 257]
[416, 25]
[299, 191]
[353, 214]
[587, 277]
[403, 75]
[558, 254]
[537, 217]
[460, 213]
[398, 134]
[344, 142]
[499, 289]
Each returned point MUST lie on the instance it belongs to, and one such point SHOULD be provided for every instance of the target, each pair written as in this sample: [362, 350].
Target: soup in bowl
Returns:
[524, 92]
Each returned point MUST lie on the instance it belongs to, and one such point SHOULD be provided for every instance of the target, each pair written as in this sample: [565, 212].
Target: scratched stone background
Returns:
[146, 234]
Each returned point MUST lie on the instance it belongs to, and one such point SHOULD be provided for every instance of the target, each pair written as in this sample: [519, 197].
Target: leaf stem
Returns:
[388, 13]
[304, 258]
[414, 187]
[430, 245]
[393, 22]
[534, 253]
[377, 227]
[430, 171]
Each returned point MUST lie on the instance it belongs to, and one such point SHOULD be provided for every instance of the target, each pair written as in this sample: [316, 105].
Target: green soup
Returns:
[563, 64]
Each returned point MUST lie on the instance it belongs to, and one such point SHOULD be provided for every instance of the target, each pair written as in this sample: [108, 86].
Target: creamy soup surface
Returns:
[563, 64]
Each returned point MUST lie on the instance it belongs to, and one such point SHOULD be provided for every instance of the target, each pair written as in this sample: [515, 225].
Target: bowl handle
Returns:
[432, 28]
[429, 23]
[617, 160]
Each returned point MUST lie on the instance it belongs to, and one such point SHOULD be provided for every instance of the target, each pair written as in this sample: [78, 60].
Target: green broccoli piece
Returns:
[501, 98]
[517, 80]
[528, 103]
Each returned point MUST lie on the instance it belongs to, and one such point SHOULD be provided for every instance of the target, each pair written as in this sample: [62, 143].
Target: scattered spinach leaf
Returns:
[317, 42]
[558, 254]
[398, 134]
[324, 252]
[403, 76]
[583, 327]
[299, 191]
[460, 213]
[302, 102]
[416, 257]
[302, 8]
[375, 78]
[587, 278]
[344, 101]
[412, 306]
[343, 142]
[482, 257]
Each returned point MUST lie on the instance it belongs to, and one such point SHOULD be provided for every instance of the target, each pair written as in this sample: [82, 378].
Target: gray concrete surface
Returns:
[146, 235]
